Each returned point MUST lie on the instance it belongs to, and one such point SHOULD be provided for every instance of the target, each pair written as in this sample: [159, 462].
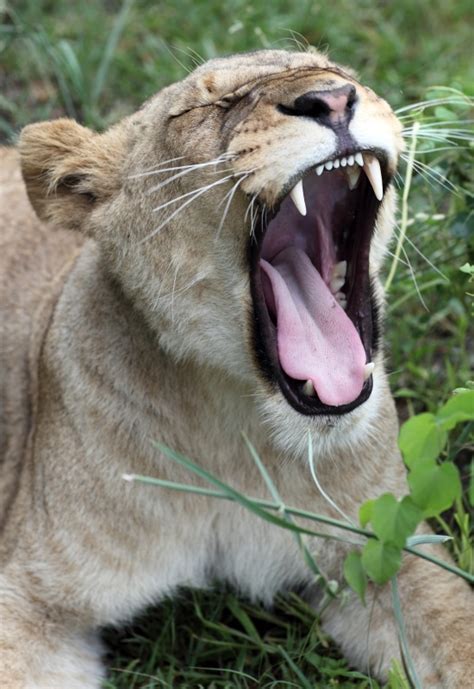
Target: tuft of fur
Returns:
[127, 317]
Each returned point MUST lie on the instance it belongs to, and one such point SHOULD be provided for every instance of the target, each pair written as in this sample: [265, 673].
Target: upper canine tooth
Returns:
[343, 162]
[308, 388]
[319, 169]
[297, 195]
[353, 174]
[329, 165]
[359, 159]
[374, 174]
[337, 162]
[368, 370]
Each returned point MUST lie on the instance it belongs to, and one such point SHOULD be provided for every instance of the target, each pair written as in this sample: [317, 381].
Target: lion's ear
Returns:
[68, 169]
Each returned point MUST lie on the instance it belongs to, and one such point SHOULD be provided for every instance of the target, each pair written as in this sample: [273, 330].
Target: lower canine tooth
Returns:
[368, 370]
[297, 196]
[336, 284]
[308, 389]
[374, 175]
[339, 270]
[353, 174]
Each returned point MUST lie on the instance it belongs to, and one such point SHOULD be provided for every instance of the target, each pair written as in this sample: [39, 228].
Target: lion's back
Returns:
[33, 259]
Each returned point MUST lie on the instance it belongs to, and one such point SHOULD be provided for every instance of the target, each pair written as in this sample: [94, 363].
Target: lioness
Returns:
[207, 266]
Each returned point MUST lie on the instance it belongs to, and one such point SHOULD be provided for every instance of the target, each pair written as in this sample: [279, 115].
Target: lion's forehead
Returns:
[221, 77]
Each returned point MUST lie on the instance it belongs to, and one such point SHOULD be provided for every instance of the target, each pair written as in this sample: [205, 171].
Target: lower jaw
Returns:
[266, 353]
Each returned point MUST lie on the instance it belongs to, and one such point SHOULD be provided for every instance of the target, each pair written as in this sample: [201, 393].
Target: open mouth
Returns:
[315, 320]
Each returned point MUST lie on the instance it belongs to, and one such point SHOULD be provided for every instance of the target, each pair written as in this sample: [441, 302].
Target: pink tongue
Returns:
[316, 339]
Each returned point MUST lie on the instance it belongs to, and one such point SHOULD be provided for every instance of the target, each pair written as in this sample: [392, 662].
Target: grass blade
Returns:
[109, 51]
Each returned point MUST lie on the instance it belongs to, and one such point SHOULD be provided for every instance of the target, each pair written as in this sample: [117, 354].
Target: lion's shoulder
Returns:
[33, 262]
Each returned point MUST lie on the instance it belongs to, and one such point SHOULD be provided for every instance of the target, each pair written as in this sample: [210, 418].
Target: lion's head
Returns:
[245, 210]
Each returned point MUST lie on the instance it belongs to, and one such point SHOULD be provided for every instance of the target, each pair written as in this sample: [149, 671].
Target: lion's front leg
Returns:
[438, 612]
[39, 652]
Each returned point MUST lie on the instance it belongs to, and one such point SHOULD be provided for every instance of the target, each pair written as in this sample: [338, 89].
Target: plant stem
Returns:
[267, 504]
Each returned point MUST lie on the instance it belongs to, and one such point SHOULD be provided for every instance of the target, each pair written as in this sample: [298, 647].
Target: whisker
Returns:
[197, 278]
[426, 171]
[194, 194]
[442, 124]
[250, 207]
[413, 277]
[198, 192]
[440, 149]
[182, 174]
[154, 168]
[400, 260]
[443, 135]
[432, 102]
[192, 166]
[231, 195]
[425, 258]
[189, 193]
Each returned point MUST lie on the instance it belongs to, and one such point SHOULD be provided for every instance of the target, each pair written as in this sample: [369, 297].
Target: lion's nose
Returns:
[331, 108]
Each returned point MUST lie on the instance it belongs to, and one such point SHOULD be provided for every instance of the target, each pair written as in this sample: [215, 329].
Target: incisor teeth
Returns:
[319, 170]
[353, 174]
[374, 174]
[341, 299]
[336, 163]
[329, 165]
[350, 160]
[308, 389]
[359, 159]
[297, 195]
[368, 370]
[343, 162]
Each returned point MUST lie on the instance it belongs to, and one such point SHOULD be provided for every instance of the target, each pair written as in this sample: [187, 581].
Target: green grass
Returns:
[97, 62]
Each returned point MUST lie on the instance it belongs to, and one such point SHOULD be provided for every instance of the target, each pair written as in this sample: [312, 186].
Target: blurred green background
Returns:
[98, 61]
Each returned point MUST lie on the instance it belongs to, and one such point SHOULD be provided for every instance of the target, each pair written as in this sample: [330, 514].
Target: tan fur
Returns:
[127, 336]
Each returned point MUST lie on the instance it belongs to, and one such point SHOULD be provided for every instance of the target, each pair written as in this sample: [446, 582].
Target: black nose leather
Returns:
[331, 108]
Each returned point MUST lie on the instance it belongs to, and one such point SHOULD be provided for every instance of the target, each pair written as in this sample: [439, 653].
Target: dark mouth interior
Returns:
[337, 228]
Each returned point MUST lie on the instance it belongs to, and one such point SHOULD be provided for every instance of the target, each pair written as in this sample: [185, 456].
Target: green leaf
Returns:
[355, 574]
[394, 521]
[456, 410]
[468, 269]
[380, 560]
[434, 488]
[365, 512]
[421, 440]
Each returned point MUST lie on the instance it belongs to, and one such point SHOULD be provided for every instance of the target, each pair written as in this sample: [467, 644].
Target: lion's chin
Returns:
[315, 317]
